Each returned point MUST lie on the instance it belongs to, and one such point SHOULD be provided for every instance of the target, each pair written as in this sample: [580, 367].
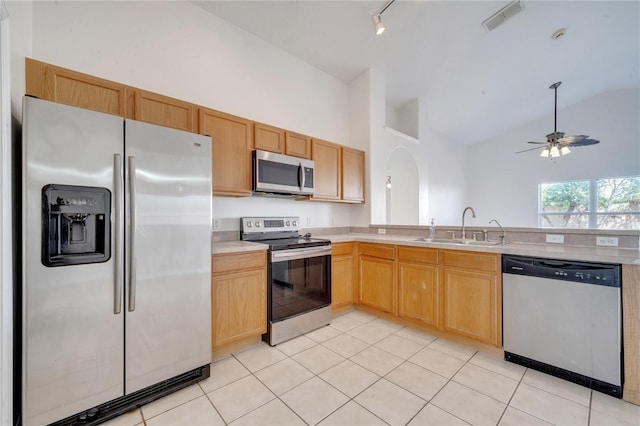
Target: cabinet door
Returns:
[239, 306]
[164, 111]
[69, 87]
[328, 174]
[471, 304]
[418, 292]
[231, 146]
[297, 145]
[341, 281]
[377, 283]
[352, 175]
[268, 138]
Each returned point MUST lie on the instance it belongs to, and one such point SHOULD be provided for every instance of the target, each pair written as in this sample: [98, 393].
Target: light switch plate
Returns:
[555, 238]
[607, 241]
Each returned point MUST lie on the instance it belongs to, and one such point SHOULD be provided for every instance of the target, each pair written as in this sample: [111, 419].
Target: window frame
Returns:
[593, 213]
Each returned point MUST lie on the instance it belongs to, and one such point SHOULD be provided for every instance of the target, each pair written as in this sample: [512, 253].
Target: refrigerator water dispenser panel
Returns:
[75, 225]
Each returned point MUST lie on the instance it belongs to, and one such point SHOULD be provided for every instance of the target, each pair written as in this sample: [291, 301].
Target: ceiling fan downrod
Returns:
[554, 86]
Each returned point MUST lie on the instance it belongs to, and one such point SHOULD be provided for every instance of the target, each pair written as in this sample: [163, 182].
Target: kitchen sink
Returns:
[459, 241]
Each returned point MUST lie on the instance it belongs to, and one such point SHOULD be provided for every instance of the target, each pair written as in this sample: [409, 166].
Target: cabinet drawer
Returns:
[377, 250]
[341, 249]
[478, 262]
[238, 261]
[420, 255]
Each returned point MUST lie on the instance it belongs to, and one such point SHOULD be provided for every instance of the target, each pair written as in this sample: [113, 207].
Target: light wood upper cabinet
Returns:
[376, 276]
[64, 86]
[328, 173]
[164, 111]
[297, 145]
[238, 296]
[472, 295]
[232, 145]
[269, 138]
[352, 175]
[418, 285]
[342, 275]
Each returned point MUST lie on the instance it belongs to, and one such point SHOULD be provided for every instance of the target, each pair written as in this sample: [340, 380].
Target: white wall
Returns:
[360, 110]
[403, 196]
[178, 49]
[504, 185]
[447, 178]
[20, 16]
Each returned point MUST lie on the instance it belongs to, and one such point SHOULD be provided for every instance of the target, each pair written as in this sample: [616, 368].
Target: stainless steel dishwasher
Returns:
[564, 318]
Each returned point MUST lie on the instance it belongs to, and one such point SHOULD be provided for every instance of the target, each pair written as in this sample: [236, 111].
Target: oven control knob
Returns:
[288, 223]
[249, 224]
[295, 223]
[257, 224]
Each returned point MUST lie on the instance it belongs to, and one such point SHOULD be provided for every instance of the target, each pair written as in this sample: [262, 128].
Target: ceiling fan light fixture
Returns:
[565, 150]
[545, 152]
[554, 152]
[378, 25]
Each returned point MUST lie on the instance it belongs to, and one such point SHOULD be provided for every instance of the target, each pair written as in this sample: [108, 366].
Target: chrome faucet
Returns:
[503, 237]
[464, 235]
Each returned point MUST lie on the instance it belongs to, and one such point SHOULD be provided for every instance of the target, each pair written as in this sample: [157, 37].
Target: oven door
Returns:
[299, 281]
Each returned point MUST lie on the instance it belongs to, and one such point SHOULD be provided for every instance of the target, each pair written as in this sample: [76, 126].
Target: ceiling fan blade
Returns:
[539, 143]
[525, 150]
[584, 142]
[572, 139]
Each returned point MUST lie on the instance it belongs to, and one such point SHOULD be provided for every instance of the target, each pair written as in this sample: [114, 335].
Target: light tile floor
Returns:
[364, 370]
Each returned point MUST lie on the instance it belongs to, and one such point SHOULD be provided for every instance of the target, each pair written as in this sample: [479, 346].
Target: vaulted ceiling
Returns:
[474, 83]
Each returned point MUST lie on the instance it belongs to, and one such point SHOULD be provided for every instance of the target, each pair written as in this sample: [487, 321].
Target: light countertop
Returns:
[554, 251]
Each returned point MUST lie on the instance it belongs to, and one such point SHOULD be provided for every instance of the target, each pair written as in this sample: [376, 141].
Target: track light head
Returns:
[378, 25]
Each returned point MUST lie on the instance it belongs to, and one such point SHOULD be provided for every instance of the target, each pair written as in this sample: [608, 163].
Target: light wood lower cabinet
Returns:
[342, 275]
[377, 276]
[238, 296]
[418, 285]
[472, 295]
[631, 330]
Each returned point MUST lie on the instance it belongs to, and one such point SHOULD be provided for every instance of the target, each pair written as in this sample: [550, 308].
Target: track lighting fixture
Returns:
[378, 25]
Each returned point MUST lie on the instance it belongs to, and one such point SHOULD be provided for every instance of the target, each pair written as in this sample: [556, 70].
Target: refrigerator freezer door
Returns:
[168, 286]
[72, 340]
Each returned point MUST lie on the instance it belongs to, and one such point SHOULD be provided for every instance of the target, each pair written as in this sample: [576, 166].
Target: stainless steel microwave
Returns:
[282, 174]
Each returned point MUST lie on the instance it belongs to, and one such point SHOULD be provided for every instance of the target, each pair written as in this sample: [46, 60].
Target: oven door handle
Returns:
[301, 253]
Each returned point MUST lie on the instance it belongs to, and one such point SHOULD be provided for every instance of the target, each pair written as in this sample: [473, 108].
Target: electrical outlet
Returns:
[382, 231]
[607, 241]
[308, 221]
[216, 223]
[555, 238]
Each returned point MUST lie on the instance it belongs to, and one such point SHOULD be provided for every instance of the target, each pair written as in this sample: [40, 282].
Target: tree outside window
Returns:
[608, 203]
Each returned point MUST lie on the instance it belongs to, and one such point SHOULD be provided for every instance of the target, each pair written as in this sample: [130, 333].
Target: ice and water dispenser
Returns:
[75, 225]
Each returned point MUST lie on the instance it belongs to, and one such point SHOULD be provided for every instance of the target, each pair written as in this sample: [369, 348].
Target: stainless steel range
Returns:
[299, 276]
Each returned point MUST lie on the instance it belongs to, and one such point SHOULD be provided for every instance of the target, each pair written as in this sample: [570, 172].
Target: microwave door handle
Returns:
[301, 176]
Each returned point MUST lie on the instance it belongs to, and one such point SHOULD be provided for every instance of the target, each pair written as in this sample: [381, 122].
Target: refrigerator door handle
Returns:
[132, 234]
[117, 184]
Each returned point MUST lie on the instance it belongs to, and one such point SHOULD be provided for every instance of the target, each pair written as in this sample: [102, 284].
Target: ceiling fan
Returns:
[557, 143]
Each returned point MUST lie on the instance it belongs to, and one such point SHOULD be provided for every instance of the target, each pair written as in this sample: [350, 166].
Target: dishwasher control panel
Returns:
[568, 270]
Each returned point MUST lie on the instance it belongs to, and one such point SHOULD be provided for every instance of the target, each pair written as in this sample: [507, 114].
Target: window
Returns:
[608, 203]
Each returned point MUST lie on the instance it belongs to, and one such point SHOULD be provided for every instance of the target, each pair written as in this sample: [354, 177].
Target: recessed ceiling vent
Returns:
[502, 15]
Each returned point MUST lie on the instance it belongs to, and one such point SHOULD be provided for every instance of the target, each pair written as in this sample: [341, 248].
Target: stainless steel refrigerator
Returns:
[116, 296]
